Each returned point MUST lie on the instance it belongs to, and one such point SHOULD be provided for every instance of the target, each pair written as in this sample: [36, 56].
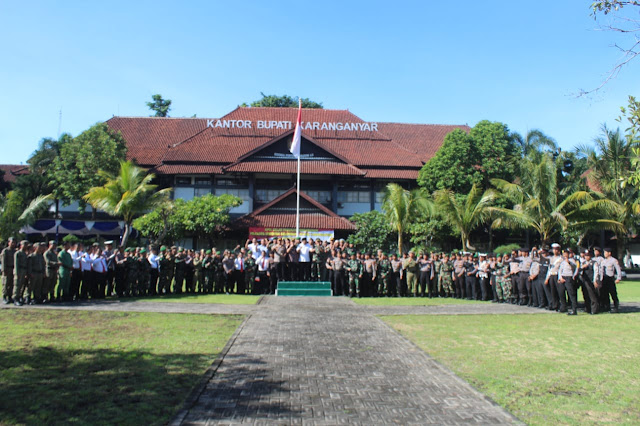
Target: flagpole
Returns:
[298, 184]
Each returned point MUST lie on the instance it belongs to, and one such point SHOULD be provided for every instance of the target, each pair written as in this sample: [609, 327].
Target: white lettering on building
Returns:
[288, 125]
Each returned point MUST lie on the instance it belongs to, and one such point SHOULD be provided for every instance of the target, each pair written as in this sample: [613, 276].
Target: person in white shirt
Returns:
[304, 250]
[154, 261]
[99, 267]
[87, 276]
[262, 281]
[76, 272]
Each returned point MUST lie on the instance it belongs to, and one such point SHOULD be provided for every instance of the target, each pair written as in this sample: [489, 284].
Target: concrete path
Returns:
[325, 361]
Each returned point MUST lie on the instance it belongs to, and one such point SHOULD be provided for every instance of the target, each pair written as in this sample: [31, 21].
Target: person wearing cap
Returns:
[164, 279]
[447, 275]
[566, 273]
[6, 259]
[524, 276]
[459, 272]
[20, 272]
[538, 272]
[36, 272]
[384, 271]
[51, 272]
[99, 268]
[589, 270]
[179, 265]
[610, 275]
[64, 273]
[354, 270]
[484, 271]
[250, 273]
[144, 272]
[551, 281]
[502, 280]
[110, 255]
[470, 271]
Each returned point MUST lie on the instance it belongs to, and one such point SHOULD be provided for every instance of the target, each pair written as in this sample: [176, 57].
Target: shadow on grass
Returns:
[242, 390]
[51, 386]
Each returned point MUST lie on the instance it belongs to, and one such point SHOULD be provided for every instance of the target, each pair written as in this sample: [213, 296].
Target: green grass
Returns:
[628, 291]
[545, 369]
[412, 301]
[91, 368]
[225, 299]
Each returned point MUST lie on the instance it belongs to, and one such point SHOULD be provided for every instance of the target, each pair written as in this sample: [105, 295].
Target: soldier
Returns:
[435, 283]
[164, 283]
[354, 269]
[412, 268]
[250, 274]
[188, 272]
[219, 278]
[120, 272]
[459, 276]
[144, 270]
[610, 275]
[179, 271]
[20, 272]
[51, 274]
[524, 277]
[7, 258]
[37, 269]
[64, 272]
[198, 271]
[385, 276]
[447, 275]
[426, 275]
[131, 268]
[315, 260]
[503, 281]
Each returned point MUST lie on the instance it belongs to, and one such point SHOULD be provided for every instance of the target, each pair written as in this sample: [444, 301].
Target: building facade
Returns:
[345, 161]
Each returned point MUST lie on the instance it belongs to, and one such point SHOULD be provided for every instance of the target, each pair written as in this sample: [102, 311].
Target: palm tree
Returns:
[127, 195]
[540, 205]
[466, 214]
[13, 216]
[610, 166]
[533, 142]
[401, 206]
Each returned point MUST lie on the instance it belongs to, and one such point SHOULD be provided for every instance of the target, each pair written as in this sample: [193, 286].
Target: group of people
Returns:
[41, 273]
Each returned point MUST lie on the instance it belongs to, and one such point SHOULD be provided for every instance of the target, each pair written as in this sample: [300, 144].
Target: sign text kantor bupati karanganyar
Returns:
[288, 125]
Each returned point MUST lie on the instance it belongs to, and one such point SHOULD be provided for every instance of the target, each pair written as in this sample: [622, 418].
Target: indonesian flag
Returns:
[295, 144]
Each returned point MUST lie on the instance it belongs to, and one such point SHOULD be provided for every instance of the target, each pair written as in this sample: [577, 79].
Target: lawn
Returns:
[225, 299]
[628, 291]
[545, 369]
[103, 367]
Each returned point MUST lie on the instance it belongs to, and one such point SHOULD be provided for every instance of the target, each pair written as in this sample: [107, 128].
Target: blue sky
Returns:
[418, 62]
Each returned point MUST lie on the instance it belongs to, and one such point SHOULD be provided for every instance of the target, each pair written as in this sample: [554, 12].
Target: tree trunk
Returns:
[400, 242]
[125, 236]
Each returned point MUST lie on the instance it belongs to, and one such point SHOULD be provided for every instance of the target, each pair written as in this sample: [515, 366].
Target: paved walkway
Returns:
[320, 361]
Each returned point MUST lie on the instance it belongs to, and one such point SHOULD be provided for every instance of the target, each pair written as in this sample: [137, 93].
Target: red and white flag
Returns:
[295, 144]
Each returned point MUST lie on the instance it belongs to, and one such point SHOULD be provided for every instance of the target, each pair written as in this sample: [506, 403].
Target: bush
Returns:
[508, 248]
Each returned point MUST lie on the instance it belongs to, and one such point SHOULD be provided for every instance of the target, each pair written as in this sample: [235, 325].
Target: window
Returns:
[353, 197]
[241, 193]
[322, 197]
[231, 181]
[183, 180]
[203, 181]
[379, 197]
[199, 192]
[266, 195]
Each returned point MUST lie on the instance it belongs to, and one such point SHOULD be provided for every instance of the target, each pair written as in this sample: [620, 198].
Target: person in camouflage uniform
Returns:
[385, 276]
[219, 274]
[445, 273]
[354, 268]
[503, 281]
[131, 277]
[144, 273]
[315, 262]
[178, 277]
[208, 270]
[6, 259]
[250, 271]
[164, 285]
[198, 271]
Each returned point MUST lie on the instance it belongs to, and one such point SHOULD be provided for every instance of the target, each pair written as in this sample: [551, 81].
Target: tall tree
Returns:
[372, 232]
[206, 216]
[401, 206]
[127, 194]
[487, 152]
[284, 101]
[465, 214]
[75, 170]
[160, 105]
[534, 142]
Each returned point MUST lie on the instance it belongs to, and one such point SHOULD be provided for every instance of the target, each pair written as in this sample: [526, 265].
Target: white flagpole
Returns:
[298, 183]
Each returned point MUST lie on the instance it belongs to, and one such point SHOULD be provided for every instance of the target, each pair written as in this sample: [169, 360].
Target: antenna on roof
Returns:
[59, 123]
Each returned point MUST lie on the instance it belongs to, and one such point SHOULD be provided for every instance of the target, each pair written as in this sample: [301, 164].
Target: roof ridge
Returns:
[162, 118]
[422, 124]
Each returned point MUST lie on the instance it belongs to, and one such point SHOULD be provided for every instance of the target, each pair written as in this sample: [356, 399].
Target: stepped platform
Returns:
[304, 288]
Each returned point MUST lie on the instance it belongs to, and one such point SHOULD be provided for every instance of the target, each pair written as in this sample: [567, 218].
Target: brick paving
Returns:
[322, 361]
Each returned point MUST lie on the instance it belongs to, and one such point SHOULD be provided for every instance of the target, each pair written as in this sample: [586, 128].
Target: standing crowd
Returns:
[41, 273]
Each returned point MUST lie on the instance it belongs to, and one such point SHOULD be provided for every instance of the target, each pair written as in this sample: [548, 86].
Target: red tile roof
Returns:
[12, 171]
[422, 139]
[373, 153]
[307, 167]
[411, 174]
[271, 216]
[149, 137]
[209, 146]
[184, 169]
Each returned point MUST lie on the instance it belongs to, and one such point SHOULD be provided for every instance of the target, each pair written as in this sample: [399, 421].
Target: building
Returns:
[345, 162]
